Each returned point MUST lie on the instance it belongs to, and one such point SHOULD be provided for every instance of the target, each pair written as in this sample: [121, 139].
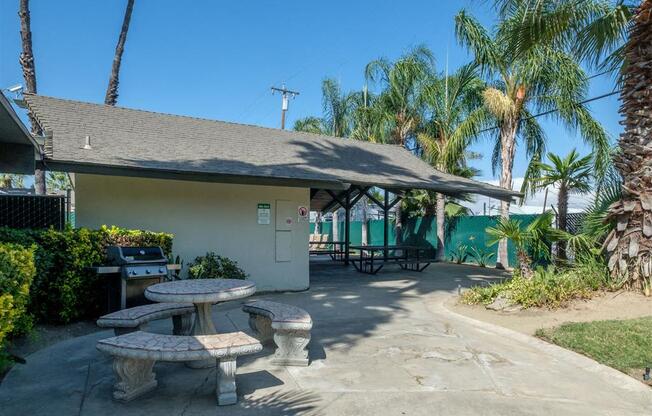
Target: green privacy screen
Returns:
[422, 231]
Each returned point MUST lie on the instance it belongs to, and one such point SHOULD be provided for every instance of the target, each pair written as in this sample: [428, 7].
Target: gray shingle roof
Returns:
[155, 144]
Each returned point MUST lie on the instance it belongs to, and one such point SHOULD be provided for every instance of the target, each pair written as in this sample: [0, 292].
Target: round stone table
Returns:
[203, 293]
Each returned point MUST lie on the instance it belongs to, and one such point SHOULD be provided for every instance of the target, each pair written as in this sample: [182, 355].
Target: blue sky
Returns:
[218, 59]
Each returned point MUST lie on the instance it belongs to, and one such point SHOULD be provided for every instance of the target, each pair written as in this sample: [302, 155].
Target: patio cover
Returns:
[143, 143]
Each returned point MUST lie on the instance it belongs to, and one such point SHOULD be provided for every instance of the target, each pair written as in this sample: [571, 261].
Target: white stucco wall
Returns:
[204, 217]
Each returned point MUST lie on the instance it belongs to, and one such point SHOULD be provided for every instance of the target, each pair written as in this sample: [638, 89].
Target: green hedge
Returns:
[17, 270]
[64, 290]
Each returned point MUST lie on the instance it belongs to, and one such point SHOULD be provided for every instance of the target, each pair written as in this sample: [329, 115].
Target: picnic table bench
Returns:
[319, 245]
[372, 259]
[137, 318]
[289, 327]
[134, 355]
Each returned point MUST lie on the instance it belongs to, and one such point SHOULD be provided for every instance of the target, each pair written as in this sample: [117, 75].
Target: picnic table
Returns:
[203, 293]
[372, 258]
[335, 249]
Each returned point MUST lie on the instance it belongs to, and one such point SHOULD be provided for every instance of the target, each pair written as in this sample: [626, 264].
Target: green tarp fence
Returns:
[422, 231]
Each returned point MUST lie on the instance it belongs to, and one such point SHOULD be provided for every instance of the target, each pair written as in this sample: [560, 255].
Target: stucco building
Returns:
[241, 191]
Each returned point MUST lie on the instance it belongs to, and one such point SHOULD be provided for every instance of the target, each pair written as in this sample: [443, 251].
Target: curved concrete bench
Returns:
[134, 355]
[287, 325]
[136, 318]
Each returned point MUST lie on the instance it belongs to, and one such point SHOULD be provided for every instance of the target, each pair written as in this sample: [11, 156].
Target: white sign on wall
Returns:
[264, 214]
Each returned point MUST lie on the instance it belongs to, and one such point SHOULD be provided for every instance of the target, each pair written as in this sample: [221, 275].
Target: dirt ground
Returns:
[610, 305]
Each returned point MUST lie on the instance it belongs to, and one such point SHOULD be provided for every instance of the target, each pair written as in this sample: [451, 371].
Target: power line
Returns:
[554, 110]
[545, 113]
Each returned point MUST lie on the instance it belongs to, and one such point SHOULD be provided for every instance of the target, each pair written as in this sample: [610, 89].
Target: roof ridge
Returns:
[288, 132]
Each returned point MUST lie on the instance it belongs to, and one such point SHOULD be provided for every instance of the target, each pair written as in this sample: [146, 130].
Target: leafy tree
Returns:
[58, 181]
[12, 181]
[546, 80]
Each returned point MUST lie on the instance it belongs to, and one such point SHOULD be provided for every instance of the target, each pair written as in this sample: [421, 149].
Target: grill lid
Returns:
[119, 255]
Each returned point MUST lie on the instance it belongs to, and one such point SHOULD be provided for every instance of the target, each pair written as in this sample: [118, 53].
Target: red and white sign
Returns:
[303, 213]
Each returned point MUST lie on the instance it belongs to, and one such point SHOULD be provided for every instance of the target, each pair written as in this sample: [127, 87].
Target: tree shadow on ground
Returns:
[347, 306]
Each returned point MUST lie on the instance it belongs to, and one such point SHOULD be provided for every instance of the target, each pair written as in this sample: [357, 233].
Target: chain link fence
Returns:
[33, 211]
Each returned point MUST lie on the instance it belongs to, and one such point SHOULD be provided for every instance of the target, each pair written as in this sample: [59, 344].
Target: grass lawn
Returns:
[625, 345]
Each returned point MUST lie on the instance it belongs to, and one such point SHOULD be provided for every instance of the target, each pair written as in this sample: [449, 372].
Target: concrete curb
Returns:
[609, 374]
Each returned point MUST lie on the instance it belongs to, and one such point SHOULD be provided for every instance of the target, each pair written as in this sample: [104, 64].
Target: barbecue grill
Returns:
[138, 268]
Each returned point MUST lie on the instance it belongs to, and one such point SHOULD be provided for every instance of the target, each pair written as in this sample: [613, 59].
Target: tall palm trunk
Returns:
[508, 150]
[440, 211]
[629, 246]
[562, 216]
[111, 97]
[29, 74]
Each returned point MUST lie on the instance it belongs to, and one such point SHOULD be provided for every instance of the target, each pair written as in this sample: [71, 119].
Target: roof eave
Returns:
[111, 170]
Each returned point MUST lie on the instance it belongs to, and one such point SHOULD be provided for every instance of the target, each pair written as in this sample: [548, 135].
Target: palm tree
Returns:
[400, 103]
[613, 35]
[629, 246]
[449, 131]
[309, 125]
[111, 97]
[336, 121]
[545, 80]
[571, 174]
[593, 30]
[29, 74]
[532, 238]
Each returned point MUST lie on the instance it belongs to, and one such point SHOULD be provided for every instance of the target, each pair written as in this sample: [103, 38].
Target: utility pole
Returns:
[285, 93]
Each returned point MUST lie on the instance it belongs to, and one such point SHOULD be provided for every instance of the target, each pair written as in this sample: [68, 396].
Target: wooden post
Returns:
[347, 226]
[386, 225]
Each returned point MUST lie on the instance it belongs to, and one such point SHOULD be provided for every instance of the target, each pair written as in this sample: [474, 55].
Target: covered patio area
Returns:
[382, 345]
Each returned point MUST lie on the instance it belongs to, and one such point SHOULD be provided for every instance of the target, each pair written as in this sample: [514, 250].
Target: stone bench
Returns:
[288, 326]
[134, 355]
[136, 318]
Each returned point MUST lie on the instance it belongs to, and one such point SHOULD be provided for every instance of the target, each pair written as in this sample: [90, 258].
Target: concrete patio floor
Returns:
[381, 345]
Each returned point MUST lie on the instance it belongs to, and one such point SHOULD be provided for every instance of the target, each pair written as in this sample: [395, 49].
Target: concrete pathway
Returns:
[382, 345]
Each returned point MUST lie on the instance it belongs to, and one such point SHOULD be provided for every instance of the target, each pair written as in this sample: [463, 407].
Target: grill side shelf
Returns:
[118, 269]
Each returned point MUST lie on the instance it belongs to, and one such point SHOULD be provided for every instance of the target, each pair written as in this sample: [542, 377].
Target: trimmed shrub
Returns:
[17, 270]
[212, 266]
[64, 290]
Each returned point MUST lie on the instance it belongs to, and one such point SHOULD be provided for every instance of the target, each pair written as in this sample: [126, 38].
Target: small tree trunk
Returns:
[111, 97]
[399, 223]
[524, 264]
[317, 223]
[365, 225]
[508, 149]
[29, 74]
[562, 212]
[335, 229]
[440, 211]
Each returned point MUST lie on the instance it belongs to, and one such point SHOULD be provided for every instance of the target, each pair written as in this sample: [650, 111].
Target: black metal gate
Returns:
[33, 211]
